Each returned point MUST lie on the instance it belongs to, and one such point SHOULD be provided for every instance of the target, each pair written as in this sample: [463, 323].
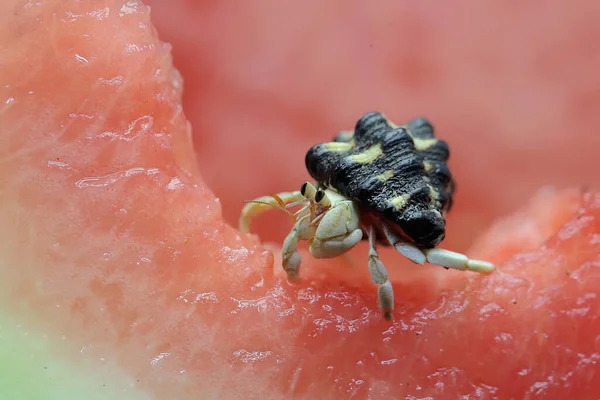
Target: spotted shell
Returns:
[397, 174]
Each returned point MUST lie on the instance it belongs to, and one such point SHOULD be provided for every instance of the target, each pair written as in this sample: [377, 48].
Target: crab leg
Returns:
[380, 277]
[436, 256]
[450, 259]
[289, 252]
[408, 250]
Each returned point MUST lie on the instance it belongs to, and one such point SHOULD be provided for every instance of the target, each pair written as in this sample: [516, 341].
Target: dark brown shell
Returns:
[397, 173]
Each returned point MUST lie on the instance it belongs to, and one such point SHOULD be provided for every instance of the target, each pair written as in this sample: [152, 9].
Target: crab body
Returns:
[381, 182]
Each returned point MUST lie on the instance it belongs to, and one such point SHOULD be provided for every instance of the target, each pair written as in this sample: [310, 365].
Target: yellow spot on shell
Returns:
[399, 202]
[387, 175]
[423, 144]
[428, 167]
[420, 144]
[368, 155]
[433, 193]
[337, 147]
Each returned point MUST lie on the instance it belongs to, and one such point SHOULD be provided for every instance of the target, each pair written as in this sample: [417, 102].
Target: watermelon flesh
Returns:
[123, 276]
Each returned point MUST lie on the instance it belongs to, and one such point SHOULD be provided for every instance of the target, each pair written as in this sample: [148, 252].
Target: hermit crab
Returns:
[385, 183]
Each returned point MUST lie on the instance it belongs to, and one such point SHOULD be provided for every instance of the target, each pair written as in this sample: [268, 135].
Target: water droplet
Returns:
[106, 180]
[117, 80]
[158, 358]
[246, 356]
[139, 126]
[233, 255]
[81, 59]
[175, 184]
[58, 164]
[129, 7]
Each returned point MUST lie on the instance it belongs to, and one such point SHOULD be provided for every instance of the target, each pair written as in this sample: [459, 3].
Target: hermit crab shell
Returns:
[396, 174]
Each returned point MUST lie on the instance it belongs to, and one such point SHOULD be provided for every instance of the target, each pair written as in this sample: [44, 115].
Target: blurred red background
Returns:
[513, 87]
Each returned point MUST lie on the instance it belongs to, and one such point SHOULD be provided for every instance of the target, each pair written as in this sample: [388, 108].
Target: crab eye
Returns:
[319, 195]
[303, 188]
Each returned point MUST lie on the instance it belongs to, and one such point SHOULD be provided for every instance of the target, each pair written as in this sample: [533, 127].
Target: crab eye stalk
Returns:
[308, 190]
[319, 195]
[322, 199]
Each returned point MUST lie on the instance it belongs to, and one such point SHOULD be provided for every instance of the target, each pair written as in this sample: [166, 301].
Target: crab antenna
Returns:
[276, 200]
[279, 206]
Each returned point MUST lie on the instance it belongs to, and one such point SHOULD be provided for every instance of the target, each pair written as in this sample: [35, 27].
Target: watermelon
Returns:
[123, 275]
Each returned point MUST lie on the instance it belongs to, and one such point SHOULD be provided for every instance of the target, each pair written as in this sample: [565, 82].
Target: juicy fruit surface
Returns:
[111, 237]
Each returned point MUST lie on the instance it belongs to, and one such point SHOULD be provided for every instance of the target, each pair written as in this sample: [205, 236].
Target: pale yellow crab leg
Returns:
[436, 256]
[380, 277]
[289, 252]
[262, 204]
[451, 259]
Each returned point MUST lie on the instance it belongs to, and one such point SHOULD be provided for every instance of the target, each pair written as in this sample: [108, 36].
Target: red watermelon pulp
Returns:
[122, 274]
